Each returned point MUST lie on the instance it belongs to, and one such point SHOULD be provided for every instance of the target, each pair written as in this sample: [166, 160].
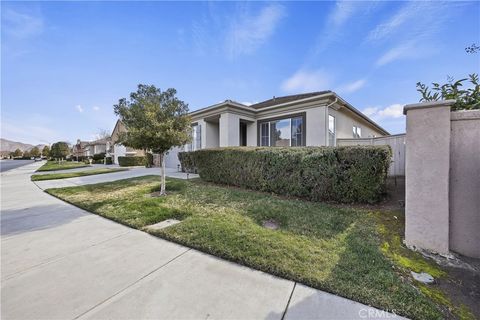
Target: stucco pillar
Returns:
[427, 175]
[229, 124]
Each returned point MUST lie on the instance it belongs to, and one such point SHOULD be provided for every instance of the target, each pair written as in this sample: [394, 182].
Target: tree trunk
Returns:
[162, 177]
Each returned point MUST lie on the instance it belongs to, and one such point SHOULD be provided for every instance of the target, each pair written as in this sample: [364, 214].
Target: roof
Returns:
[285, 99]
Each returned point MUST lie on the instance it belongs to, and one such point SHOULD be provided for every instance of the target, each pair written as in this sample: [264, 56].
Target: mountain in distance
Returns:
[9, 146]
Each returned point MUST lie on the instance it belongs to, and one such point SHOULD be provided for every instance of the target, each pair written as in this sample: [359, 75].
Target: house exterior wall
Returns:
[211, 135]
[345, 120]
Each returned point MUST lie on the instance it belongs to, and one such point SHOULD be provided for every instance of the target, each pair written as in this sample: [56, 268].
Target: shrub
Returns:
[108, 160]
[131, 161]
[99, 156]
[187, 162]
[340, 174]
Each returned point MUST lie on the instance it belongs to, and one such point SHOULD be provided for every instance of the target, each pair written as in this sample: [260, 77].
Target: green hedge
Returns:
[340, 174]
[131, 161]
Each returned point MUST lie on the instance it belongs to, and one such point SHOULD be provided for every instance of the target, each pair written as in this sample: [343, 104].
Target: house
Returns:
[117, 149]
[309, 119]
[87, 149]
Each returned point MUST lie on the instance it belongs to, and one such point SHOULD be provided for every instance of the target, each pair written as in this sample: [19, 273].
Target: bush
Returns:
[340, 174]
[108, 160]
[187, 162]
[99, 156]
[131, 161]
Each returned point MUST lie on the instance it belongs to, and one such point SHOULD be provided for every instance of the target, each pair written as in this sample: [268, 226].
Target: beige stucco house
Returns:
[116, 149]
[310, 119]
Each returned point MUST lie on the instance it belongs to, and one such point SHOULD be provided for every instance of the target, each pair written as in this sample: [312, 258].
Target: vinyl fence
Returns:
[396, 142]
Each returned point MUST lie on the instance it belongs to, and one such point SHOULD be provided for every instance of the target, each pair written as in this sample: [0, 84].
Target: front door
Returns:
[243, 134]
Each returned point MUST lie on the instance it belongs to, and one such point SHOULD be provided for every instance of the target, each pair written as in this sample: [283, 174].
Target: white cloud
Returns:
[95, 108]
[342, 12]
[247, 32]
[79, 108]
[307, 80]
[401, 51]
[21, 25]
[410, 11]
[393, 111]
[352, 86]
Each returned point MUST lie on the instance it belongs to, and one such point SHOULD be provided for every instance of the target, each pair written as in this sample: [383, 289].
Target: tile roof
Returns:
[284, 99]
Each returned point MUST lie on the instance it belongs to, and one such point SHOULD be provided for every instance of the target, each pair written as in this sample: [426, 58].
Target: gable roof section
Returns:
[280, 100]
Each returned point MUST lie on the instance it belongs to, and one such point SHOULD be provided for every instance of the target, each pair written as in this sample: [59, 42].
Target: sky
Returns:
[65, 64]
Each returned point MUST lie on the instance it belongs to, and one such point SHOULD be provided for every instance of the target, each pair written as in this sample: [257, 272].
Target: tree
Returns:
[45, 151]
[26, 154]
[59, 150]
[155, 121]
[466, 99]
[17, 153]
[474, 48]
[35, 152]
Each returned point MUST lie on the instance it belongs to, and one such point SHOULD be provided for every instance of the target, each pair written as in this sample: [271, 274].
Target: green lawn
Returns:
[64, 165]
[53, 176]
[351, 252]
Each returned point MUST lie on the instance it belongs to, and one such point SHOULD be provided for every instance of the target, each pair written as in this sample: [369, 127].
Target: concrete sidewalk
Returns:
[60, 262]
[107, 177]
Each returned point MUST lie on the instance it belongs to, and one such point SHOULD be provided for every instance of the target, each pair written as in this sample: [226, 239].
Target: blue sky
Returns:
[65, 64]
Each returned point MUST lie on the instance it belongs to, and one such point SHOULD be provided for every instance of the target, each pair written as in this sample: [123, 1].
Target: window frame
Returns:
[302, 115]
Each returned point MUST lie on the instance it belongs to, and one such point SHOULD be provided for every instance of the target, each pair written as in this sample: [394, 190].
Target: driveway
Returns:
[60, 262]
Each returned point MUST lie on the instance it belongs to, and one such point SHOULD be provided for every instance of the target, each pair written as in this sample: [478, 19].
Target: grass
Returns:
[351, 252]
[52, 165]
[54, 176]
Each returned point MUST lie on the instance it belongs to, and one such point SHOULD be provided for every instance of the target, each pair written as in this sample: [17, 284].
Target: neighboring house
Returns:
[119, 150]
[89, 148]
[310, 119]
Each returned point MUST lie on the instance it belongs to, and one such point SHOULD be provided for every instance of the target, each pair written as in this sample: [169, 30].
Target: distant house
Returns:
[117, 149]
[87, 149]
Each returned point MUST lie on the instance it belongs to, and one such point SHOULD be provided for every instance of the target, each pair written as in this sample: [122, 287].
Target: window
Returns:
[357, 132]
[264, 136]
[282, 133]
[331, 130]
[196, 138]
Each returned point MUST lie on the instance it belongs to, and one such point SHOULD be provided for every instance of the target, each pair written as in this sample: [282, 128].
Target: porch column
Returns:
[229, 124]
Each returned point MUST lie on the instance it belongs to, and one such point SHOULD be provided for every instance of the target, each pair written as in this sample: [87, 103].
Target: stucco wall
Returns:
[345, 120]
[443, 178]
[229, 125]
[426, 180]
[465, 183]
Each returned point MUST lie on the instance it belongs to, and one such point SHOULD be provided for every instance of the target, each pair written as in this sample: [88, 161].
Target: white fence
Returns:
[396, 142]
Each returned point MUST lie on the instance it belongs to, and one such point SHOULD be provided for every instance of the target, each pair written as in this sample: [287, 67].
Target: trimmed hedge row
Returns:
[131, 161]
[340, 174]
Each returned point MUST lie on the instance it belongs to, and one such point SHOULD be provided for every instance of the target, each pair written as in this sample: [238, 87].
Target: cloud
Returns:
[414, 29]
[248, 32]
[410, 11]
[21, 25]
[393, 111]
[342, 12]
[352, 86]
[306, 80]
[79, 108]
[95, 108]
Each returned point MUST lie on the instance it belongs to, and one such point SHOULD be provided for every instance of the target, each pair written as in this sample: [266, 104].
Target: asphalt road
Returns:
[6, 165]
